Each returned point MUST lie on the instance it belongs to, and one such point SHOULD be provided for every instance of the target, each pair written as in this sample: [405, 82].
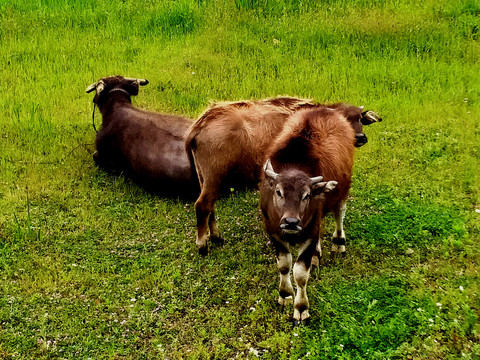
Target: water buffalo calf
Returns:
[307, 174]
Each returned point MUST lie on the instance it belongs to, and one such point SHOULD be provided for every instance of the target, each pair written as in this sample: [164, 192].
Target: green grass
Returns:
[91, 266]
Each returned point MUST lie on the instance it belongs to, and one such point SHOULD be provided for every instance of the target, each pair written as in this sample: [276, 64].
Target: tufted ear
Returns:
[323, 187]
[370, 117]
[98, 86]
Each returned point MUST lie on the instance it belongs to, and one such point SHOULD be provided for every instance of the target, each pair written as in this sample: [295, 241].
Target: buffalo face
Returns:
[292, 193]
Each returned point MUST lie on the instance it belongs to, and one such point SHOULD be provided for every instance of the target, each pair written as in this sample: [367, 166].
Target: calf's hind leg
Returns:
[204, 209]
[212, 225]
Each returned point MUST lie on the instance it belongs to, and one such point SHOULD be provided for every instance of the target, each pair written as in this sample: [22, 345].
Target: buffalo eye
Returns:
[278, 192]
[306, 196]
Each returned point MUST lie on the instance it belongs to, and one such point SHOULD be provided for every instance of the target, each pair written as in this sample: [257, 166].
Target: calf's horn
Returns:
[316, 179]
[269, 170]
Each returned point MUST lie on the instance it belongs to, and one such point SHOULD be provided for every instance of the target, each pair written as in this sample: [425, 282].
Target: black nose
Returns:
[291, 225]
[291, 221]
[360, 139]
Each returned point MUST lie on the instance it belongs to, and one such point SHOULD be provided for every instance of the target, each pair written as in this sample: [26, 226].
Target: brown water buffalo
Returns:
[228, 143]
[307, 174]
[147, 146]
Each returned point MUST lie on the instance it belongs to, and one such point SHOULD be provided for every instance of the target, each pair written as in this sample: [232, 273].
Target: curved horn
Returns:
[316, 179]
[369, 117]
[268, 168]
[91, 87]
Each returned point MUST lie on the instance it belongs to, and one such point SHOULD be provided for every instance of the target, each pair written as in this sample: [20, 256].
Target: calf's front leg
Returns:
[301, 274]
[284, 263]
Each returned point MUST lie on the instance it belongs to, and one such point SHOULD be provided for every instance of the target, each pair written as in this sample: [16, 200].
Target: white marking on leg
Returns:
[318, 253]
[339, 232]
[301, 275]
[284, 263]
[212, 224]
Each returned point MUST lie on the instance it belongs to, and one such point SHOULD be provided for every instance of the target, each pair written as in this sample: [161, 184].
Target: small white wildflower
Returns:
[74, 265]
[439, 304]
[252, 308]
[431, 320]
[461, 288]
[133, 299]
[295, 334]
[419, 309]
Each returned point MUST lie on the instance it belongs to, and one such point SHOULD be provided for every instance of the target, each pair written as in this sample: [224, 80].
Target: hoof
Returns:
[305, 322]
[217, 240]
[96, 158]
[315, 272]
[203, 250]
[339, 255]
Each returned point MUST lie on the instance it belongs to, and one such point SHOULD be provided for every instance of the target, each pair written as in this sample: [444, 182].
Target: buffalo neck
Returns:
[116, 100]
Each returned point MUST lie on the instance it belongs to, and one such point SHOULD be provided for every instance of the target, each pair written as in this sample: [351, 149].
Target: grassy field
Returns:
[92, 266]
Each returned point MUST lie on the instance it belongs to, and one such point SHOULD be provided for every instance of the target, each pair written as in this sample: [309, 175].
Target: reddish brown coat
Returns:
[294, 197]
[229, 142]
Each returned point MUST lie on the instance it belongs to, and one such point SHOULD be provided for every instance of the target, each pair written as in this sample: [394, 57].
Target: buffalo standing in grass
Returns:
[307, 174]
[228, 143]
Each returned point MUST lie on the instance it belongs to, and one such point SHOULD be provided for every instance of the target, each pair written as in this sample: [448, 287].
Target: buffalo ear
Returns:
[98, 87]
[323, 187]
[370, 117]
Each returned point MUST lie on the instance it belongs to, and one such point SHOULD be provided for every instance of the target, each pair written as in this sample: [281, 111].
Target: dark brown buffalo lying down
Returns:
[228, 143]
[147, 146]
[307, 174]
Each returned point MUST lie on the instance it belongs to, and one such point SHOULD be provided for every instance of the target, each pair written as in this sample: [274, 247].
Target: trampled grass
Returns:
[92, 266]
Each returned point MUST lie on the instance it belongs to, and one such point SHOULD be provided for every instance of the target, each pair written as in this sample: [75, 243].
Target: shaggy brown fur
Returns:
[228, 143]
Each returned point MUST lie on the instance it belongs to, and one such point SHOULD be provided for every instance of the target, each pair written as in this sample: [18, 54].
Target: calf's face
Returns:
[292, 192]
